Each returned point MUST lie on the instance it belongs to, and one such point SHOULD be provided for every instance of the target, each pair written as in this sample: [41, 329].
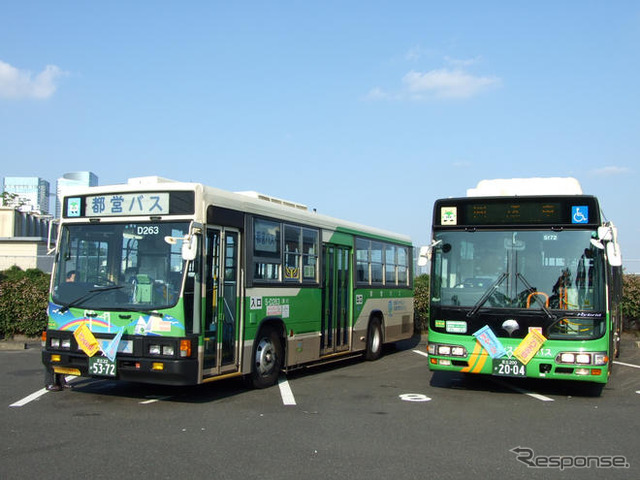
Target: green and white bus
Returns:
[176, 283]
[525, 282]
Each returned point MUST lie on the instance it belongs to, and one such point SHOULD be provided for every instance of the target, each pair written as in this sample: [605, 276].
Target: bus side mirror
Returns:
[424, 257]
[614, 255]
[190, 247]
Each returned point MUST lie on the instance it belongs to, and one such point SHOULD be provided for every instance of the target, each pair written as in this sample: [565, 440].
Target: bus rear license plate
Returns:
[102, 367]
[509, 367]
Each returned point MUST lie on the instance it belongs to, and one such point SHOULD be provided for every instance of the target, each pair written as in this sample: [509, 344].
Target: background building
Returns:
[24, 239]
[74, 179]
[32, 193]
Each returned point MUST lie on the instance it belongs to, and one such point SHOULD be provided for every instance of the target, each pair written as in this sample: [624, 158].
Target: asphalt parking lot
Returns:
[354, 418]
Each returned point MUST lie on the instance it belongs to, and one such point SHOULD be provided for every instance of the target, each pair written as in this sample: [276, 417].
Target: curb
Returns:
[20, 342]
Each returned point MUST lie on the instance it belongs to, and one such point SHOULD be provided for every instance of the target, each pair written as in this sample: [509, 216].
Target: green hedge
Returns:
[24, 300]
[630, 304]
[24, 297]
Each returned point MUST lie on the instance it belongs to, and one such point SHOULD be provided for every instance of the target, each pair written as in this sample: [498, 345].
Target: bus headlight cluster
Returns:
[582, 358]
[165, 350]
[58, 343]
[447, 350]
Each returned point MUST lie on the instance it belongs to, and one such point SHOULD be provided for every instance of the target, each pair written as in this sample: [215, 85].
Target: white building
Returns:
[74, 179]
[32, 193]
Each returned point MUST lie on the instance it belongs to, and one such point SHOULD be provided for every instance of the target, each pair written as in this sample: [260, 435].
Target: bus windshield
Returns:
[121, 266]
[527, 269]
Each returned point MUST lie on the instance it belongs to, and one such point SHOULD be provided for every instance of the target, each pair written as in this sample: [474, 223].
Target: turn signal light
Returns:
[185, 348]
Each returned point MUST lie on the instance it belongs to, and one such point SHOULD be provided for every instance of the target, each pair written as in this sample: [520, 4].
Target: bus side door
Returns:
[222, 309]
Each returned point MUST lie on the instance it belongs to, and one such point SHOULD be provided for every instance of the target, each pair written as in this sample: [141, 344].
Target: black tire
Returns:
[267, 358]
[374, 340]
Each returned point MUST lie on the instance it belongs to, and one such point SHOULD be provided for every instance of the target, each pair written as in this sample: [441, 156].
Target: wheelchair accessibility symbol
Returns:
[580, 214]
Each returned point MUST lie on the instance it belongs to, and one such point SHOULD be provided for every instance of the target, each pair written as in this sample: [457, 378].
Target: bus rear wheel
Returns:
[374, 340]
[267, 359]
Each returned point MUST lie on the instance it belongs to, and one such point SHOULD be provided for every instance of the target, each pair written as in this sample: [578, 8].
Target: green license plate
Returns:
[102, 367]
[509, 367]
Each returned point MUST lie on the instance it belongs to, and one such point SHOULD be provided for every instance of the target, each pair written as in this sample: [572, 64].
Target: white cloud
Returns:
[16, 83]
[446, 83]
[609, 171]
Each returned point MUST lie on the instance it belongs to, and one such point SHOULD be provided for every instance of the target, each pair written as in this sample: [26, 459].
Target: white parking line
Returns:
[30, 398]
[424, 354]
[38, 394]
[626, 364]
[285, 391]
[537, 396]
[155, 399]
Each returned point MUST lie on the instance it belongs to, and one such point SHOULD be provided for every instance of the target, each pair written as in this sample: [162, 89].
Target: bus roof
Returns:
[513, 187]
[250, 202]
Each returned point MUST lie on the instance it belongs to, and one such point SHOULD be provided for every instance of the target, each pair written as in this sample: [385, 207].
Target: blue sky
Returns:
[365, 110]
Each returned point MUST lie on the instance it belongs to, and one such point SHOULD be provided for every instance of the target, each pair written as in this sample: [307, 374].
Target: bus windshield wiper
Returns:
[91, 293]
[550, 315]
[494, 286]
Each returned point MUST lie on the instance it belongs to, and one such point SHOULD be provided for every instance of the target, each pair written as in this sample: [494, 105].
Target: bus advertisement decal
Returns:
[490, 342]
[86, 341]
[529, 346]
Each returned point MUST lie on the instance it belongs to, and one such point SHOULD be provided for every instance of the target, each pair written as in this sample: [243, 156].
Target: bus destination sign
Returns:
[120, 204]
[575, 210]
[513, 212]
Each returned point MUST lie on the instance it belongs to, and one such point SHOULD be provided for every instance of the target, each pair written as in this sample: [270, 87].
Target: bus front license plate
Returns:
[102, 367]
[509, 367]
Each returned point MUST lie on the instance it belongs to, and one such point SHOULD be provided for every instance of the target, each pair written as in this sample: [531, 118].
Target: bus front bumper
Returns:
[161, 371]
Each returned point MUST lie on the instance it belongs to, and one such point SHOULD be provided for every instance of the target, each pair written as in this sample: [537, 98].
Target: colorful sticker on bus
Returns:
[490, 342]
[529, 346]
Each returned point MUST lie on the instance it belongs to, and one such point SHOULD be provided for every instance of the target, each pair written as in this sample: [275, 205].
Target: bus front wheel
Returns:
[267, 359]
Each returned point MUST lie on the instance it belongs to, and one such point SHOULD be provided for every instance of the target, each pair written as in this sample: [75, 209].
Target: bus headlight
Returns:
[458, 351]
[55, 343]
[155, 349]
[567, 358]
[168, 350]
[583, 359]
[444, 350]
[66, 343]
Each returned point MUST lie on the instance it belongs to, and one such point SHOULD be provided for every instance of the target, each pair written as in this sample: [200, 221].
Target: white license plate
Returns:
[102, 367]
[509, 367]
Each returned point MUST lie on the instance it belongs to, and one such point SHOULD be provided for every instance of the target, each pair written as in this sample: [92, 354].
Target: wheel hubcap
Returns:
[265, 357]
